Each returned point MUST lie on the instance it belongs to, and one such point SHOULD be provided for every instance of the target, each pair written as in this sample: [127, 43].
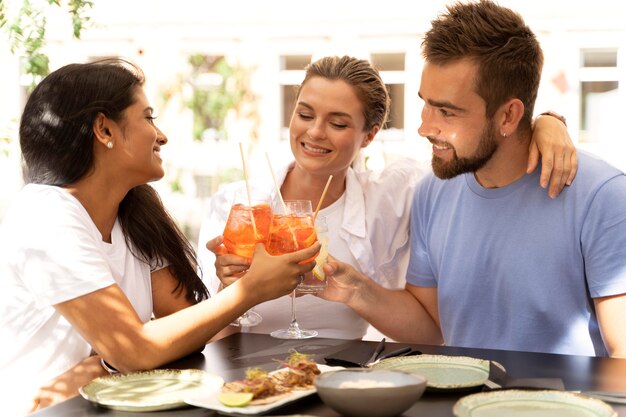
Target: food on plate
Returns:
[298, 373]
[235, 399]
[301, 371]
[257, 382]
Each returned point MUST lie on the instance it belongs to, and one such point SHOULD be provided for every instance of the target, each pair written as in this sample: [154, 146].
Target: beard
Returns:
[456, 166]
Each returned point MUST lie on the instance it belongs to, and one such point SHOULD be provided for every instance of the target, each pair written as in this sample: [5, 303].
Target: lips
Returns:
[314, 149]
[441, 149]
[441, 146]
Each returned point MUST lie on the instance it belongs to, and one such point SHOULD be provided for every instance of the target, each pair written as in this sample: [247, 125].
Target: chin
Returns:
[157, 176]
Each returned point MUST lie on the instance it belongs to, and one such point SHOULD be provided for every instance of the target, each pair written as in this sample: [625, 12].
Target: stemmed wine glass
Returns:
[246, 226]
[289, 232]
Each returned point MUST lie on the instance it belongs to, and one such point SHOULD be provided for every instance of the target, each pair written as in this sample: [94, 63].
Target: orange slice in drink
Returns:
[307, 242]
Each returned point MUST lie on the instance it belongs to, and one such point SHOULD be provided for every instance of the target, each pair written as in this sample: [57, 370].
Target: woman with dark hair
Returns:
[91, 264]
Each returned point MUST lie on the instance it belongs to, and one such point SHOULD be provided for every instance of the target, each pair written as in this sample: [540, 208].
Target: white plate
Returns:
[442, 372]
[210, 400]
[519, 403]
[161, 389]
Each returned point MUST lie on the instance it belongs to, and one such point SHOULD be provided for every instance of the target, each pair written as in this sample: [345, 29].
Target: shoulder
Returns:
[594, 168]
[400, 174]
[46, 204]
[594, 173]
[430, 183]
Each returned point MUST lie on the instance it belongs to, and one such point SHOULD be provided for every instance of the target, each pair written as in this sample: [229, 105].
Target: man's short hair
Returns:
[507, 52]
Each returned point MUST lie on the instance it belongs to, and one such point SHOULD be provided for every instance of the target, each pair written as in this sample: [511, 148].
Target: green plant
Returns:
[211, 101]
[27, 31]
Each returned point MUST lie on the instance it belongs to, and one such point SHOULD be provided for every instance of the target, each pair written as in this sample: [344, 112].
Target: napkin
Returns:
[356, 356]
[362, 356]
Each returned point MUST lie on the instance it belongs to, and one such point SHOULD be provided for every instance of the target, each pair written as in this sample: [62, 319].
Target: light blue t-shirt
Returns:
[515, 269]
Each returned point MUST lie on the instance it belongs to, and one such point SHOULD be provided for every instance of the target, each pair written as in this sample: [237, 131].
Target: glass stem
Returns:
[294, 322]
[293, 327]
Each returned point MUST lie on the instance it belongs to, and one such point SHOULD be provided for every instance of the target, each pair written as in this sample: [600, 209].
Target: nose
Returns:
[161, 138]
[427, 128]
[316, 130]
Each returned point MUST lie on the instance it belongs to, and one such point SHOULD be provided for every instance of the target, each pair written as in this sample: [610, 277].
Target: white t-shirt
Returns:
[51, 252]
[368, 228]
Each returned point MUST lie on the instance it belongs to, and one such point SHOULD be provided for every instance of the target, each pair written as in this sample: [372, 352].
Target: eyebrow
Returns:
[334, 113]
[150, 109]
[445, 104]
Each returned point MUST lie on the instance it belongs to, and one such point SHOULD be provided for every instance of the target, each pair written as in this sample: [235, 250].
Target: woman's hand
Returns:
[270, 277]
[559, 161]
[228, 268]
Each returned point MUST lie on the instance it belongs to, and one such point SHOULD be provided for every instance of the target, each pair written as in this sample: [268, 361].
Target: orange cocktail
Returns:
[247, 226]
[291, 232]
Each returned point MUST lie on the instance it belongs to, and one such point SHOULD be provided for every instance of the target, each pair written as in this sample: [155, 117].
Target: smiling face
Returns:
[454, 119]
[138, 142]
[326, 127]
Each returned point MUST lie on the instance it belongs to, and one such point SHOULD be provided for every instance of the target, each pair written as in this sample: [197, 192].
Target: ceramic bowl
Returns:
[370, 392]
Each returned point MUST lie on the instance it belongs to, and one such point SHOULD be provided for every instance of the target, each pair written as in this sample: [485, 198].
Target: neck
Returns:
[101, 202]
[507, 165]
[301, 185]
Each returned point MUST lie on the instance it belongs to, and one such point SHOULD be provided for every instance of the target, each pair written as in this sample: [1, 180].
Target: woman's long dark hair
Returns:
[56, 139]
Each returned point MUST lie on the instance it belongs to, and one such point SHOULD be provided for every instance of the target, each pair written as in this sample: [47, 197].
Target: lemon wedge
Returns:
[321, 260]
[235, 399]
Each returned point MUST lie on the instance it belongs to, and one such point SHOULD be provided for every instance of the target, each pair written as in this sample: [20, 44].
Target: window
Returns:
[391, 68]
[291, 75]
[598, 93]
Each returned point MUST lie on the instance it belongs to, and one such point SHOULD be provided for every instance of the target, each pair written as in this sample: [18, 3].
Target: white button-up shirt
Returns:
[368, 228]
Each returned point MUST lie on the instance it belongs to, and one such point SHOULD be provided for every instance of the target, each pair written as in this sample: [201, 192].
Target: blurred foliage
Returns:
[27, 31]
[218, 88]
[230, 174]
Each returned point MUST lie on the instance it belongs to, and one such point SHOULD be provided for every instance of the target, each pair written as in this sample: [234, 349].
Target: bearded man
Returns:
[495, 263]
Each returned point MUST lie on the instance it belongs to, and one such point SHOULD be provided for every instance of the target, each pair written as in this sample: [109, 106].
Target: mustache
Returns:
[440, 143]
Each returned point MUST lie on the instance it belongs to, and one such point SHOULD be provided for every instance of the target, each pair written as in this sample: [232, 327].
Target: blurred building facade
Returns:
[270, 42]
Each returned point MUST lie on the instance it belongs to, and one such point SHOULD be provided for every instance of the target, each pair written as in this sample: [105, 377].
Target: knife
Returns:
[379, 348]
[405, 351]
[399, 352]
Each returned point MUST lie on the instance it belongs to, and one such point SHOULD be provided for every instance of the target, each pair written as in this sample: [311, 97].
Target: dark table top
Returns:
[231, 356]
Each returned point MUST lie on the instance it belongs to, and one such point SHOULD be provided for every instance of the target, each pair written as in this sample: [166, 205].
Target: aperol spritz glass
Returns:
[289, 232]
[247, 225]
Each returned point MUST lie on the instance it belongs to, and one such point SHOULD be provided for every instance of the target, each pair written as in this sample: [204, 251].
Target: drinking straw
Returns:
[245, 177]
[245, 174]
[280, 197]
[319, 204]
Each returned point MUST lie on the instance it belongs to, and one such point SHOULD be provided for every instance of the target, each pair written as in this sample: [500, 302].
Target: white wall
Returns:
[160, 34]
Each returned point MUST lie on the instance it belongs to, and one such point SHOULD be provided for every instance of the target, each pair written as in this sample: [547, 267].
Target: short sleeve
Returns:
[58, 253]
[419, 271]
[603, 239]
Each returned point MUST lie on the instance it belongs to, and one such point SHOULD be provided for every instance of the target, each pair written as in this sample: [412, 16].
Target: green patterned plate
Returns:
[520, 403]
[442, 372]
[161, 389]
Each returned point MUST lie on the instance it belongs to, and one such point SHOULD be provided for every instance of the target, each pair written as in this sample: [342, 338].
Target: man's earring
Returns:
[110, 145]
[502, 133]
